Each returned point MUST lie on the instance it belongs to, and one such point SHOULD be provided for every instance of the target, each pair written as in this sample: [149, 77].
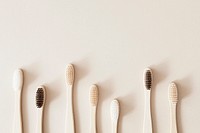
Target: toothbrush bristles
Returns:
[173, 93]
[94, 95]
[70, 74]
[148, 79]
[114, 110]
[40, 97]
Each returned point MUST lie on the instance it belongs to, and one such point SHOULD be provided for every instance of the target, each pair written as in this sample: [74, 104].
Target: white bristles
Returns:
[70, 74]
[173, 93]
[94, 95]
[18, 79]
[114, 110]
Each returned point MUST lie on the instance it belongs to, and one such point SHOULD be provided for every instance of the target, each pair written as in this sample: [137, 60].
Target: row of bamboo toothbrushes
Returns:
[114, 108]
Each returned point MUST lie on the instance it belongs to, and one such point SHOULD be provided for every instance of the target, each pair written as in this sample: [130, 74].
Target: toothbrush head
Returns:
[148, 78]
[173, 93]
[94, 95]
[40, 97]
[18, 79]
[114, 110]
[70, 74]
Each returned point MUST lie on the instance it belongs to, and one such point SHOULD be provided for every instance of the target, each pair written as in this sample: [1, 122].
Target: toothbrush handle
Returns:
[39, 128]
[147, 119]
[114, 127]
[173, 126]
[17, 114]
[93, 128]
[70, 115]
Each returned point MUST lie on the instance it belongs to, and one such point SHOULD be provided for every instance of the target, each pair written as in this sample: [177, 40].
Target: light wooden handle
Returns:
[70, 128]
[173, 125]
[114, 126]
[147, 116]
[17, 125]
[93, 128]
[39, 128]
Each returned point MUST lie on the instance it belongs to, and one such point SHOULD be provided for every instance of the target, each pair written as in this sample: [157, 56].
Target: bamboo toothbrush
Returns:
[40, 102]
[114, 111]
[148, 80]
[70, 128]
[93, 102]
[18, 86]
[173, 99]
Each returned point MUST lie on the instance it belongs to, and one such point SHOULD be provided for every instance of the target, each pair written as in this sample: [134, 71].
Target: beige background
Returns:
[110, 42]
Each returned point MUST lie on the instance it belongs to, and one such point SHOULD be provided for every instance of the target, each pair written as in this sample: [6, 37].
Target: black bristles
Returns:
[148, 79]
[39, 97]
